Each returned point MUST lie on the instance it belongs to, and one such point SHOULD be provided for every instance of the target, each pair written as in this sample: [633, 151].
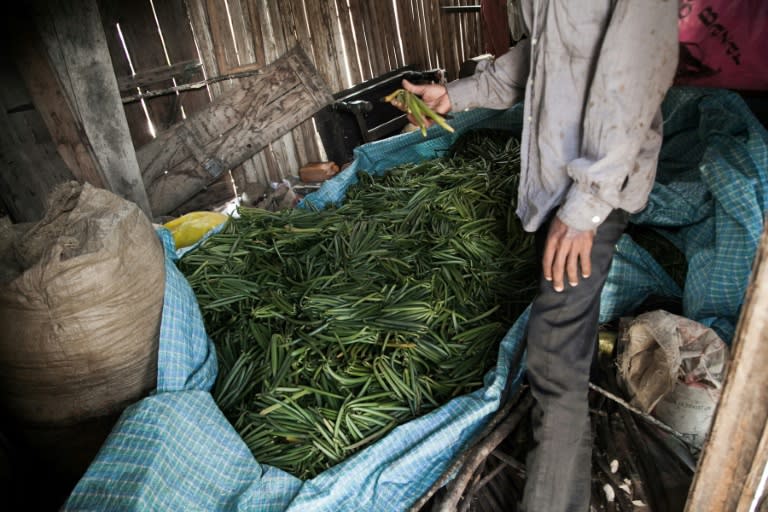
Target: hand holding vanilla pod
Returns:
[408, 102]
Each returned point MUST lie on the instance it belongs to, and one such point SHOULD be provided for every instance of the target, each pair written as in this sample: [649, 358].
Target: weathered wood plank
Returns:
[198, 16]
[391, 43]
[128, 83]
[752, 485]
[723, 474]
[349, 43]
[254, 24]
[241, 31]
[451, 42]
[145, 48]
[134, 113]
[425, 32]
[217, 193]
[251, 175]
[286, 21]
[382, 27]
[30, 167]
[358, 22]
[96, 102]
[436, 27]
[221, 36]
[270, 30]
[322, 26]
[232, 129]
[175, 24]
[291, 27]
[472, 42]
[410, 30]
[302, 144]
[49, 98]
[376, 51]
[337, 42]
[285, 154]
[30, 172]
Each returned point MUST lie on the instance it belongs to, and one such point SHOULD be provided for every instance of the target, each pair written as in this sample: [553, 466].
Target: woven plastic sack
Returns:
[79, 335]
[80, 306]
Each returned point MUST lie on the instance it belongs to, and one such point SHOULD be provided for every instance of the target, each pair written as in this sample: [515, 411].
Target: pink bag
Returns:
[723, 43]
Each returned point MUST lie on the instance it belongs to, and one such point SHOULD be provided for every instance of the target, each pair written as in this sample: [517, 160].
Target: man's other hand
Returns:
[566, 251]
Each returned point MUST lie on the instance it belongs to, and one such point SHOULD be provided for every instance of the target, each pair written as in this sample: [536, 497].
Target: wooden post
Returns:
[734, 456]
[30, 166]
[78, 38]
[51, 101]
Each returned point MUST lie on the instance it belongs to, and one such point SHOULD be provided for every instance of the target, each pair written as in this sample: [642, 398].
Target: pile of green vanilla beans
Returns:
[334, 326]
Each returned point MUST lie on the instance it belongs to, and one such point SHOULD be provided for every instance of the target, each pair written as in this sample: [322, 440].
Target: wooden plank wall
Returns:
[31, 165]
[349, 41]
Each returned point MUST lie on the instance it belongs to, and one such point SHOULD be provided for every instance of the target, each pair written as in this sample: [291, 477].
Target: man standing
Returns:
[593, 75]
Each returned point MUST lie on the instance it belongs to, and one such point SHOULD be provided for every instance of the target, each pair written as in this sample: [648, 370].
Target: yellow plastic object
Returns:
[191, 227]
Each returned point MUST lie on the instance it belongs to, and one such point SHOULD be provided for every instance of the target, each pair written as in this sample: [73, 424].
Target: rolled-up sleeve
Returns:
[621, 127]
[499, 86]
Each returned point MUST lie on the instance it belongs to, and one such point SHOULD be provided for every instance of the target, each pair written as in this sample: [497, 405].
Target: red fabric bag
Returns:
[723, 43]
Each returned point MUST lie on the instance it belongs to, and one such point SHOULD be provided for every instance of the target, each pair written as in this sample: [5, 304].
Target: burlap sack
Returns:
[81, 296]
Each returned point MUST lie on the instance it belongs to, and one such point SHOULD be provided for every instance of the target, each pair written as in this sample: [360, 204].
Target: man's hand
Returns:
[566, 250]
[434, 95]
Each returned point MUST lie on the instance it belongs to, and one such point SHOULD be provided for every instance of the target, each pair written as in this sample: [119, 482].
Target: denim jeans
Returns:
[562, 334]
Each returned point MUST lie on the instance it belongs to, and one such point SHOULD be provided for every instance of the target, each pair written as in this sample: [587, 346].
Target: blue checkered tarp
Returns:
[175, 450]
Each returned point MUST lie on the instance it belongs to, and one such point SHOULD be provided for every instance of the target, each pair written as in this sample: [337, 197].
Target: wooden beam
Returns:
[755, 477]
[78, 36]
[30, 167]
[160, 74]
[188, 86]
[732, 462]
[50, 100]
[256, 111]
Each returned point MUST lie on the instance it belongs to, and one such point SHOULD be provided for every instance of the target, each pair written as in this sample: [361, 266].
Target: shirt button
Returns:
[595, 219]
[530, 118]
[534, 40]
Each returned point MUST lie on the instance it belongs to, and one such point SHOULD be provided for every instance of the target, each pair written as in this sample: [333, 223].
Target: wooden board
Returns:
[145, 49]
[734, 456]
[198, 17]
[357, 20]
[192, 154]
[52, 103]
[78, 40]
[174, 22]
[219, 192]
[29, 164]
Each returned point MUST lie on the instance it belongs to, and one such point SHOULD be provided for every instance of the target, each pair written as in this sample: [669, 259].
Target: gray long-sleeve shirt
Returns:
[593, 75]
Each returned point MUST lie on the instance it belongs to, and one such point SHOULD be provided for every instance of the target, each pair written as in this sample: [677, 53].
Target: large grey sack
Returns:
[81, 296]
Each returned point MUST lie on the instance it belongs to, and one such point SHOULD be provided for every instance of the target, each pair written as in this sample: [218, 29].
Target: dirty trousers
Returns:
[562, 332]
